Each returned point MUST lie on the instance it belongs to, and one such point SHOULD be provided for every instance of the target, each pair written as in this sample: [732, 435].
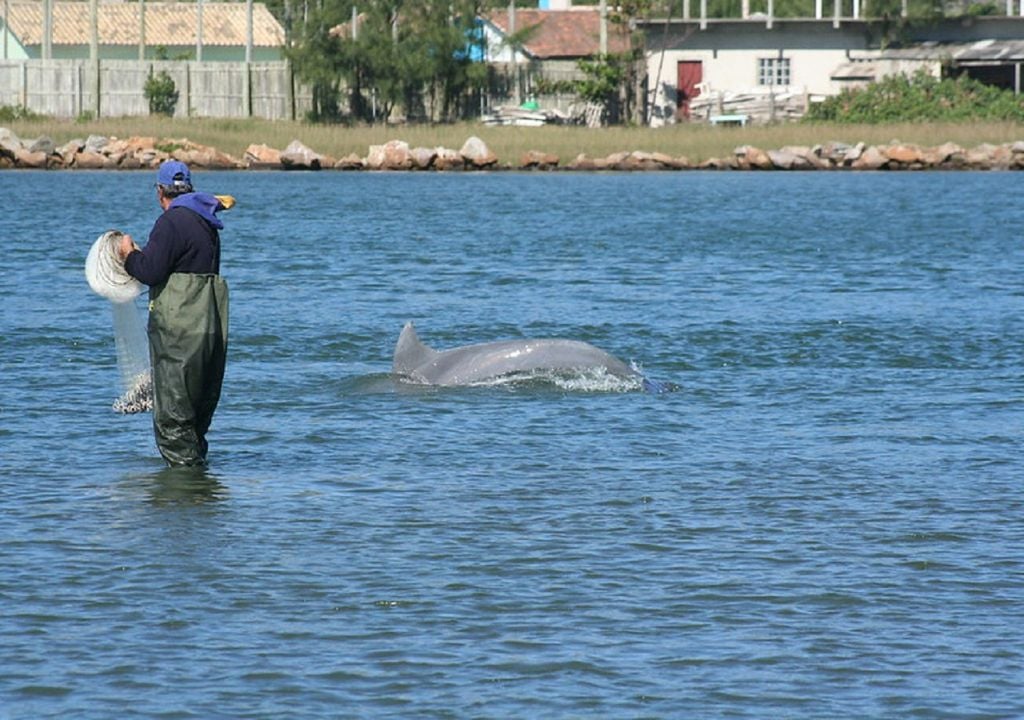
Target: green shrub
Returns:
[13, 113]
[161, 94]
[547, 86]
[919, 98]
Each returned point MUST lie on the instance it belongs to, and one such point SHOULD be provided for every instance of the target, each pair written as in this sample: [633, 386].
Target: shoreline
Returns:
[141, 153]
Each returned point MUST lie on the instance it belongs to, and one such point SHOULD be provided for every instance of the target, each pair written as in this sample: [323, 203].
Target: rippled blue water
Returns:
[824, 519]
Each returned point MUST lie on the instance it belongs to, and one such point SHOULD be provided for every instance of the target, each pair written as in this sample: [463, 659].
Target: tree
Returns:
[161, 93]
[317, 58]
[615, 80]
[407, 54]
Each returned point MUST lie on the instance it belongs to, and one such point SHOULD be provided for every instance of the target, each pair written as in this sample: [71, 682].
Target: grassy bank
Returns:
[697, 142]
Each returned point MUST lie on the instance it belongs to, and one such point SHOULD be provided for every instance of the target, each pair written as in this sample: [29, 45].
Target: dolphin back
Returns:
[471, 364]
[410, 353]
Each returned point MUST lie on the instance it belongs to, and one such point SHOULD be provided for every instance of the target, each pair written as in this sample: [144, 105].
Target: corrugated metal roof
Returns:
[167, 23]
[980, 51]
[855, 71]
[562, 33]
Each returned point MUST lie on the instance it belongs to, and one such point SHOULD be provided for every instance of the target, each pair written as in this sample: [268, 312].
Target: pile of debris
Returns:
[525, 116]
[760, 106]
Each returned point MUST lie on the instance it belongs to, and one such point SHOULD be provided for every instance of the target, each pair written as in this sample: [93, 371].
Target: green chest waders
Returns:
[188, 344]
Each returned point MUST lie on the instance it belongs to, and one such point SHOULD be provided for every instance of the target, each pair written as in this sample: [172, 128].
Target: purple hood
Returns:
[203, 204]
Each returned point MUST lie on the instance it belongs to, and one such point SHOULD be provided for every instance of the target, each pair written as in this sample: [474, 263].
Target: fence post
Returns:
[97, 88]
[247, 89]
[289, 78]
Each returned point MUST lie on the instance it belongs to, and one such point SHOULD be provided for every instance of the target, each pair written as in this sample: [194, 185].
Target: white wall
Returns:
[14, 49]
[497, 49]
[736, 70]
[729, 55]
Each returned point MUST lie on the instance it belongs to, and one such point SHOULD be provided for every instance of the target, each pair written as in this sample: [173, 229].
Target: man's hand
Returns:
[126, 247]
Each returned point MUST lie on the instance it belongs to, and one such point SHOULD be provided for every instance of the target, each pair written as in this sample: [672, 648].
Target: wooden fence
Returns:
[269, 90]
[115, 88]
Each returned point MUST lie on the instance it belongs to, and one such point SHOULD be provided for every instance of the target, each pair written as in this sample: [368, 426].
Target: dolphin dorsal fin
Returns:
[410, 353]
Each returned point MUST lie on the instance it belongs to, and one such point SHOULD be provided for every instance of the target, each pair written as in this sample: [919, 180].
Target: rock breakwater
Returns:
[137, 153]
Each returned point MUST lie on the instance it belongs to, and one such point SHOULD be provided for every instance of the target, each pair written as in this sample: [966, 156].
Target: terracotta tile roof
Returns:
[167, 23]
[562, 33]
[344, 31]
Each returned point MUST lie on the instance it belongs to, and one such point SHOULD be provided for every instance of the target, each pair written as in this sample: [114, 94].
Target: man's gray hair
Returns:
[180, 187]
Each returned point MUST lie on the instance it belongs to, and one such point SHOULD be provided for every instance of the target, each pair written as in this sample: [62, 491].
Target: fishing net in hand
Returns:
[106, 275]
[104, 269]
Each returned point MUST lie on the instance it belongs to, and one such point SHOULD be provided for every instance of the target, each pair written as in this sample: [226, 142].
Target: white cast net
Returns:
[106, 275]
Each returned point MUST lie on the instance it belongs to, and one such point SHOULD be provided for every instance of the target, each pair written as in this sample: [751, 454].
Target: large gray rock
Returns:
[834, 151]
[299, 157]
[68, 150]
[947, 154]
[9, 144]
[476, 153]
[754, 157]
[392, 155]
[87, 160]
[784, 160]
[448, 159]
[25, 159]
[982, 157]
[905, 155]
[536, 159]
[423, 157]
[43, 144]
[95, 143]
[350, 162]
[262, 156]
[853, 154]
[871, 159]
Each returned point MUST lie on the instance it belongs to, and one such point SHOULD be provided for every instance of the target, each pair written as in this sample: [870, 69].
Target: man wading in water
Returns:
[188, 312]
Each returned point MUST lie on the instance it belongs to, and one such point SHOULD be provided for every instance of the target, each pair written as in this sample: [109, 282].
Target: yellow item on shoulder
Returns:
[228, 201]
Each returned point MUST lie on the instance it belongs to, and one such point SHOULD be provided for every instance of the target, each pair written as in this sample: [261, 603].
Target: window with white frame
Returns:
[773, 71]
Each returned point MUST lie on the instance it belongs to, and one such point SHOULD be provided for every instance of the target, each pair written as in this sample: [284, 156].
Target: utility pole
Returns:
[94, 27]
[247, 88]
[512, 48]
[248, 31]
[47, 30]
[199, 30]
[94, 55]
[142, 30]
[604, 29]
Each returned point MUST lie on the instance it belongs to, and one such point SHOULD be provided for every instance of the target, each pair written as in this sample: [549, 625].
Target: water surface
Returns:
[822, 520]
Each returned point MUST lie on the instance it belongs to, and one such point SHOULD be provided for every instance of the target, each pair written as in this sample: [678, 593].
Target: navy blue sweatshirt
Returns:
[184, 239]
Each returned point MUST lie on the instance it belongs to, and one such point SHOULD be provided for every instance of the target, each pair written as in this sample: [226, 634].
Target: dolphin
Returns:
[476, 363]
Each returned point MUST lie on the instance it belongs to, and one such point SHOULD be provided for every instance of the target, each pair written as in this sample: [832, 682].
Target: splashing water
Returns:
[596, 380]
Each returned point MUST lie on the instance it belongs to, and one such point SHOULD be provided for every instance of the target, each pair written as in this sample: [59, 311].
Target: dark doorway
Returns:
[689, 76]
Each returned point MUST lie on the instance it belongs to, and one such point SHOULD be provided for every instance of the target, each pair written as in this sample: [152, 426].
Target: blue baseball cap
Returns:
[174, 174]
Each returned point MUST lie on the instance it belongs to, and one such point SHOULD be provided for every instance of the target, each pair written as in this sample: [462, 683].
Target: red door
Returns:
[690, 74]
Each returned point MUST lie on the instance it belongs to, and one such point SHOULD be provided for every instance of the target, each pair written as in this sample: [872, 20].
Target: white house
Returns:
[771, 68]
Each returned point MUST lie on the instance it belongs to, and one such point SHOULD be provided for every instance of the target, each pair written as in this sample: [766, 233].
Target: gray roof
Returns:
[979, 52]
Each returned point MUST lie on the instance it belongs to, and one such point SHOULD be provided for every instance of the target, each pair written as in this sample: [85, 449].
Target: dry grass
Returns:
[697, 142]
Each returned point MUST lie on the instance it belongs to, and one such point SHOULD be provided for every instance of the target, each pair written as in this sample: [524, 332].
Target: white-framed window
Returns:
[773, 71]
